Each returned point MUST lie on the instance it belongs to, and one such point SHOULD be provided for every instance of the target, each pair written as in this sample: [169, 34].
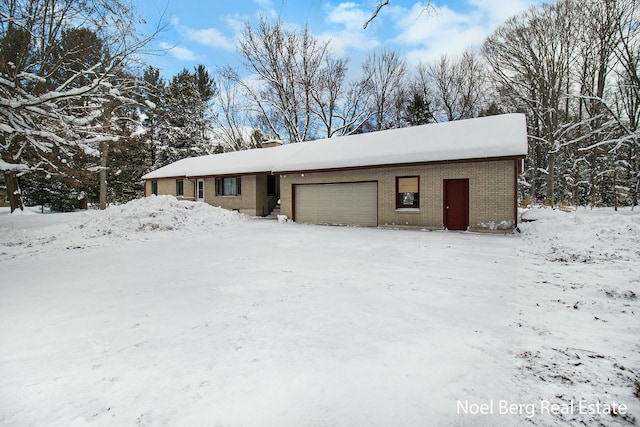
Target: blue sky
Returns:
[206, 32]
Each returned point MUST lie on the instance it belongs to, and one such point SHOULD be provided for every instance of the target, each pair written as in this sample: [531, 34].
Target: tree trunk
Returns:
[13, 190]
[550, 179]
[593, 178]
[104, 156]
[634, 203]
[615, 190]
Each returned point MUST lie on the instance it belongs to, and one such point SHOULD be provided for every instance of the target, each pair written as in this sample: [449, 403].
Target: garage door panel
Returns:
[346, 203]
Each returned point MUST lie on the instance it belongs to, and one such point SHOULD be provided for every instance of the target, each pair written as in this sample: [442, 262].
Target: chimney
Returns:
[271, 143]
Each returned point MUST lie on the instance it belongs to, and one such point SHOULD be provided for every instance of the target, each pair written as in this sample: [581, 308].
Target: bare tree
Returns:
[383, 3]
[231, 112]
[627, 111]
[341, 107]
[459, 86]
[596, 42]
[326, 96]
[288, 65]
[385, 76]
[531, 56]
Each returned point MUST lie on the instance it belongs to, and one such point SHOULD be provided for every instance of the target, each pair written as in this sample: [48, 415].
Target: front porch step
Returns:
[275, 212]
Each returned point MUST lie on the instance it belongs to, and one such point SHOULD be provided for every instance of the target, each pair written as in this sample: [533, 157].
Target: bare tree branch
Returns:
[375, 14]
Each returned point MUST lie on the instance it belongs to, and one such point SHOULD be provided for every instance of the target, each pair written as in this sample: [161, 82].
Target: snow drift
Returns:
[157, 213]
[133, 220]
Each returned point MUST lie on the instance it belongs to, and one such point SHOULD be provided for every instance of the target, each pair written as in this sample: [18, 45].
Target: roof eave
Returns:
[404, 164]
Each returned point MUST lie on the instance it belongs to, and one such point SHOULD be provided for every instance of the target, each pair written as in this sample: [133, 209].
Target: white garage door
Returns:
[348, 204]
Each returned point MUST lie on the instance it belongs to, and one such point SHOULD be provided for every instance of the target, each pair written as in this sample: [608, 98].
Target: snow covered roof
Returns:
[258, 160]
[486, 137]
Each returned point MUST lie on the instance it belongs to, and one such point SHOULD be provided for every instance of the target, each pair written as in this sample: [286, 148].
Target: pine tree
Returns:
[183, 117]
[55, 79]
[419, 111]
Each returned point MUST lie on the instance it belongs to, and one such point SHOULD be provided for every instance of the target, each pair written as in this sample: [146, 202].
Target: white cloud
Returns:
[236, 22]
[266, 8]
[497, 11]
[181, 53]
[341, 42]
[420, 27]
[426, 34]
[348, 15]
[210, 37]
[348, 34]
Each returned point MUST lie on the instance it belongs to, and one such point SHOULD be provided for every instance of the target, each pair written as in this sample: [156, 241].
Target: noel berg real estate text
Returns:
[544, 407]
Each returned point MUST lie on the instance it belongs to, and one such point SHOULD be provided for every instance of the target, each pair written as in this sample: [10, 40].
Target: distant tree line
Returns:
[79, 122]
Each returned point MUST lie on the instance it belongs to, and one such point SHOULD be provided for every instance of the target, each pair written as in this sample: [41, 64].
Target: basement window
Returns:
[408, 192]
[229, 186]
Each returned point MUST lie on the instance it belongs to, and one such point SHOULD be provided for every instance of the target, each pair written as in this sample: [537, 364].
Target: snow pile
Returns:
[22, 212]
[579, 302]
[541, 213]
[156, 213]
[585, 235]
[133, 220]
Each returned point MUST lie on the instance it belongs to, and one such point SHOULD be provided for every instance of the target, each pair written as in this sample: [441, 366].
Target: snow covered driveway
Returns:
[254, 323]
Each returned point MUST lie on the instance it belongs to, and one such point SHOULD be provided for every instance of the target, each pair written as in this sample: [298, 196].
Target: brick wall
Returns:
[167, 186]
[252, 201]
[491, 193]
[245, 203]
[261, 201]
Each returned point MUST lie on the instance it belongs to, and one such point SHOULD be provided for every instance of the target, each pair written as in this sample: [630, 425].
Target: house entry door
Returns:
[200, 190]
[456, 204]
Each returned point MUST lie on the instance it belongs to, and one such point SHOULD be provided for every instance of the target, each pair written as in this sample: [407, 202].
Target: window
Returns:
[154, 187]
[179, 187]
[228, 186]
[408, 190]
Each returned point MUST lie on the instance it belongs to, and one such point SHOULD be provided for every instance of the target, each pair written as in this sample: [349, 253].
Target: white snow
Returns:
[536, 214]
[485, 137]
[261, 160]
[210, 318]
[22, 212]
[4, 166]
[129, 221]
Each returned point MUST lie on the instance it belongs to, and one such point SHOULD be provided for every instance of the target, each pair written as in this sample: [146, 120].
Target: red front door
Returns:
[456, 204]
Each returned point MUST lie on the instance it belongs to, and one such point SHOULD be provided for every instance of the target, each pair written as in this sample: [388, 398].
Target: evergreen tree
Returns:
[151, 102]
[57, 66]
[183, 117]
[419, 111]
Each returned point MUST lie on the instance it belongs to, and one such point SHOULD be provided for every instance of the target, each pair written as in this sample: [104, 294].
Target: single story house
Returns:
[458, 175]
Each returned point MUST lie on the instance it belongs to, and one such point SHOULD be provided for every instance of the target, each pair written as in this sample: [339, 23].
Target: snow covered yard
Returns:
[167, 313]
